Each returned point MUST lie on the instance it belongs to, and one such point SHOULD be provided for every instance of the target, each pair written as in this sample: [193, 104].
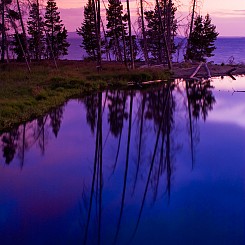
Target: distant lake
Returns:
[164, 165]
[228, 49]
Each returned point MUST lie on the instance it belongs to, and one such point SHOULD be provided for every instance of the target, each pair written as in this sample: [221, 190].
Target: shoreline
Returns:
[215, 71]
[25, 96]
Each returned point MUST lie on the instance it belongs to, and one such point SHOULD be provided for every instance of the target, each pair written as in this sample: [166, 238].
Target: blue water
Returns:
[229, 50]
[158, 166]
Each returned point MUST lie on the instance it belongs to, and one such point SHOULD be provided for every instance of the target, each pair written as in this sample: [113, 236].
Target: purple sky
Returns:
[227, 15]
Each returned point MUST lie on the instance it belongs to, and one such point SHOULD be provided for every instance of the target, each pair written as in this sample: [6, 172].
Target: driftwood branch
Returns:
[238, 91]
[196, 71]
[207, 69]
[193, 76]
[229, 73]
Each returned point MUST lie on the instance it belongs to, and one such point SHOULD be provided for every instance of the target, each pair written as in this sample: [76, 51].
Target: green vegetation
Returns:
[25, 95]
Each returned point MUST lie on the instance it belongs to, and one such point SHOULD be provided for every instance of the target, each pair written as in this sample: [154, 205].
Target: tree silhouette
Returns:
[116, 29]
[57, 44]
[88, 31]
[10, 143]
[56, 116]
[161, 28]
[36, 31]
[201, 40]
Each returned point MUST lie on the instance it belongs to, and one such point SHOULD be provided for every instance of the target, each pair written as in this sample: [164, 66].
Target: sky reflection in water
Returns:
[167, 168]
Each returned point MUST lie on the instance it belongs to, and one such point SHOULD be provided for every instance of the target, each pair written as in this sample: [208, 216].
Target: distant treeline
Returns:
[33, 30]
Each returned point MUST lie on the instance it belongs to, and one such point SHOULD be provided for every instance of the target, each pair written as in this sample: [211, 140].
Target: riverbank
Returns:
[186, 70]
[24, 95]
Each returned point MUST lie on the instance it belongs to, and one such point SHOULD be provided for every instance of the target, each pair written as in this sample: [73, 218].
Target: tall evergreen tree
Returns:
[201, 41]
[116, 29]
[161, 30]
[57, 44]
[36, 32]
[25, 46]
[19, 45]
[88, 31]
[3, 28]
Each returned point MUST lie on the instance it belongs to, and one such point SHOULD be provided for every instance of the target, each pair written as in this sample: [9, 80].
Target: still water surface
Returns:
[159, 166]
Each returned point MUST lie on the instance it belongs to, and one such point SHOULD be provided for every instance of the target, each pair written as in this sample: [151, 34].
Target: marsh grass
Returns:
[25, 95]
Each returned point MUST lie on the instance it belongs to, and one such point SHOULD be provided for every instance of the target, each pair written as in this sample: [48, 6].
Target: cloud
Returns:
[229, 14]
[241, 11]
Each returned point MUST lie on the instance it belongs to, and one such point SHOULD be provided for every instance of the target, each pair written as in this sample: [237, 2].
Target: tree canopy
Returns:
[56, 32]
[201, 40]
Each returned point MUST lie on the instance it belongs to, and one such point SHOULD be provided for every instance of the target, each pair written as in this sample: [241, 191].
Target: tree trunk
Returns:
[124, 43]
[169, 36]
[164, 36]
[19, 41]
[108, 56]
[143, 33]
[23, 30]
[192, 16]
[97, 25]
[38, 52]
[130, 36]
[192, 23]
[3, 33]
[98, 37]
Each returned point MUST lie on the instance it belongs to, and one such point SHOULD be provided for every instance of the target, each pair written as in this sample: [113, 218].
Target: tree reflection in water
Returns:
[91, 105]
[200, 100]
[56, 116]
[9, 145]
[116, 116]
[153, 127]
[35, 133]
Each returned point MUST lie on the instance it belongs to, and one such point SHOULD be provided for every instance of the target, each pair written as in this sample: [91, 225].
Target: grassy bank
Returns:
[25, 95]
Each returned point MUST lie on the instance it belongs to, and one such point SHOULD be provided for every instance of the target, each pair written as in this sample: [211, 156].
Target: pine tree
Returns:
[36, 32]
[116, 28]
[88, 31]
[3, 29]
[18, 45]
[153, 36]
[210, 35]
[56, 39]
[201, 41]
[160, 28]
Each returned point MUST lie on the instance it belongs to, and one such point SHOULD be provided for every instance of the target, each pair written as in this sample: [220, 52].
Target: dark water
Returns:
[162, 166]
[228, 50]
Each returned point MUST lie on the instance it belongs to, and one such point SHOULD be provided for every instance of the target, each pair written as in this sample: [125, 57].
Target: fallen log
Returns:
[196, 71]
[146, 83]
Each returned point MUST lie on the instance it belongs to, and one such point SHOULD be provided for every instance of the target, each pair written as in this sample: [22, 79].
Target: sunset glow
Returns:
[228, 16]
